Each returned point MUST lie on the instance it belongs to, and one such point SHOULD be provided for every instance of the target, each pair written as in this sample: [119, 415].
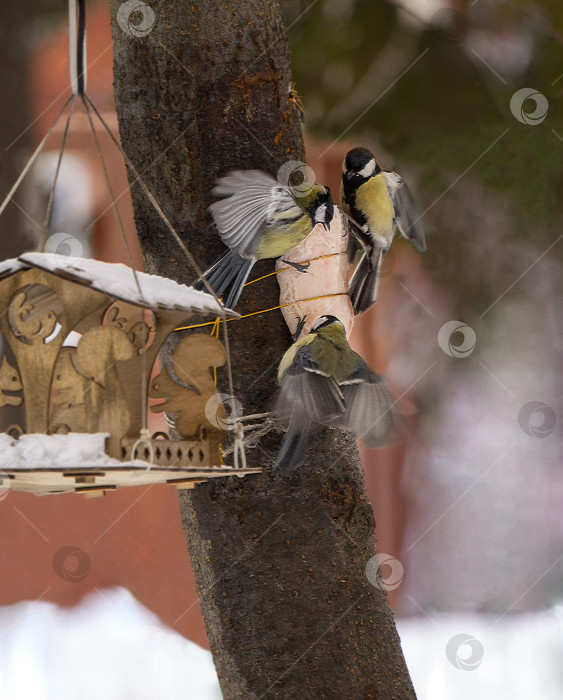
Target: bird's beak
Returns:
[350, 174]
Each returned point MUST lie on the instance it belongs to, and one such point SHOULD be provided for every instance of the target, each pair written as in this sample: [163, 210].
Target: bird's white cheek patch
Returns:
[328, 276]
[368, 170]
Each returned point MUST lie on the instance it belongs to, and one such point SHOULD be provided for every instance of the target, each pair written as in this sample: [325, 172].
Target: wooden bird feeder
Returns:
[80, 339]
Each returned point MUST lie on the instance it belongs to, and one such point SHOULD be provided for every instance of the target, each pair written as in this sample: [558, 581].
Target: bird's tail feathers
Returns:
[364, 286]
[227, 277]
[293, 447]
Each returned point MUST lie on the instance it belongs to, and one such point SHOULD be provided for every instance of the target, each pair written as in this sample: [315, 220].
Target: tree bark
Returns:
[279, 564]
[14, 121]
[19, 233]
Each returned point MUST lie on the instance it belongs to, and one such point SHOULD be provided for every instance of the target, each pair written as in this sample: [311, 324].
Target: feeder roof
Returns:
[11, 266]
[118, 281]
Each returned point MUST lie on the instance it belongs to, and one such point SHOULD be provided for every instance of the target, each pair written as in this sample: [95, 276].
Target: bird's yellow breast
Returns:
[373, 200]
[278, 240]
[289, 356]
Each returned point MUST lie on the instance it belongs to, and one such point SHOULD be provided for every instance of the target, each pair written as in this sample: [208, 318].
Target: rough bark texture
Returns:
[279, 565]
[17, 233]
[14, 121]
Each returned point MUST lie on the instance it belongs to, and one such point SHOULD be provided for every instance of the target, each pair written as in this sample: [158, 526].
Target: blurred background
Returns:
[463, 99]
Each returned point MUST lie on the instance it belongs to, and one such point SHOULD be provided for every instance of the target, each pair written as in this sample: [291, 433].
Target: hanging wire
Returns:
[144, 435]
[33, 158]
[45, 224]
[77, 59]
[77, 63]
[156, 205]
[190, 259]
[112, 198]
[77, 45]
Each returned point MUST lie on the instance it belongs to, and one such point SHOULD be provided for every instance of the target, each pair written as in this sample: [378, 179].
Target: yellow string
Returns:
[215, 324]
[263, 311]
[215, 332]
[282, 269]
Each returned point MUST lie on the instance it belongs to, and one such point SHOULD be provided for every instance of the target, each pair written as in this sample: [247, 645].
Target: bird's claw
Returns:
[300, 325]
[300, 267]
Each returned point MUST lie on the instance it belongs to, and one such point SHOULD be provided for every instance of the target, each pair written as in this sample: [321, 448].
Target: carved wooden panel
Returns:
[37, 311]
[69, 388]
[10, 381]
[191, 362]
[97, 379]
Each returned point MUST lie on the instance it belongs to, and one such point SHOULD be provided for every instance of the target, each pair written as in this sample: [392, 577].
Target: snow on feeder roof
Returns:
[79, 347]
[118, 281]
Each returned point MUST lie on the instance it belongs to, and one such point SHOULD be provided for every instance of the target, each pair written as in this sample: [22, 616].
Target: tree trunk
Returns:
[14, 122]
[279, 564]
[19, 232]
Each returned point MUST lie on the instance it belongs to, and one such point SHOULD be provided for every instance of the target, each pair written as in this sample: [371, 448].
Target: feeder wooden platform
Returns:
[96, 481]
[84, 463]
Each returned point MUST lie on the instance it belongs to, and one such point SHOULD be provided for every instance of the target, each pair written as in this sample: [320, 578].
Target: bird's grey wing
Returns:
[249, 201]
[307, 393]
[370, 410]
[407, 216]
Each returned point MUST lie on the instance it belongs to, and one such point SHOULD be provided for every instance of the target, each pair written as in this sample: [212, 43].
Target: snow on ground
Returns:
[108, 647]
[483, 657]
[111, 647]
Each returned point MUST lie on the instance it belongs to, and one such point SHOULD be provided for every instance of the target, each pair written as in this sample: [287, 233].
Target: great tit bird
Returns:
[258, 218]
[322, 380]
[378, 203]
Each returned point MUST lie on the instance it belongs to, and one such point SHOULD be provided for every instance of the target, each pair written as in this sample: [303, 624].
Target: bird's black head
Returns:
[359, 164]
[322, 208]
[324, 321]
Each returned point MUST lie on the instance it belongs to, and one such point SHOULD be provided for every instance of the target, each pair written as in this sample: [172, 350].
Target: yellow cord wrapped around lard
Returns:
[326, 277]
